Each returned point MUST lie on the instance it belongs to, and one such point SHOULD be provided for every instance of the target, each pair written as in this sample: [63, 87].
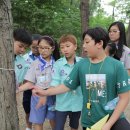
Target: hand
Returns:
[41, 102]
[37, 91]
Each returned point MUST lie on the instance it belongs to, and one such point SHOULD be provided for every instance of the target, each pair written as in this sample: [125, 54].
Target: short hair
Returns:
[36, 36]
[97, 35]
[68, 37]
[23, 36]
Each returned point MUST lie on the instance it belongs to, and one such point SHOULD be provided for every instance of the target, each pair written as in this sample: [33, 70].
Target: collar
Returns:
[32, 56]
[30, 53]
[65, 60]
[43, 63]
[18, 57]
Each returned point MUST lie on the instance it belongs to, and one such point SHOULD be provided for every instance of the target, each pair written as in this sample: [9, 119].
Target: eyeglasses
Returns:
[114, 31]
[34, 47]
[44, 48]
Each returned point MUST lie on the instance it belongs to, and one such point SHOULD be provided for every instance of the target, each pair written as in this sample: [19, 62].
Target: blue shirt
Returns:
[69, 101]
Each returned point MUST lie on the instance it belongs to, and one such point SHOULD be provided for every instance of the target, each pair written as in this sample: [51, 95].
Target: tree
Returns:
[113, 4]
[84, 9]
[53, 17]
[8, 109]
[56, 17]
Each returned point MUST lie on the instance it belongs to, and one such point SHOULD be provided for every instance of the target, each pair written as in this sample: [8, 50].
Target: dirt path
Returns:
[46, 125]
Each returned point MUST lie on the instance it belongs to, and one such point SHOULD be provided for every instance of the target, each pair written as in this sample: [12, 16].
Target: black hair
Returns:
[23, 36]
[122, 38]
[36, 36]
[52, 43]
[97, 34]
[112, 48]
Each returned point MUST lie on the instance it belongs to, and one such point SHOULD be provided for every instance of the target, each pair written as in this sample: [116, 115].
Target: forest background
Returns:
[57, 17]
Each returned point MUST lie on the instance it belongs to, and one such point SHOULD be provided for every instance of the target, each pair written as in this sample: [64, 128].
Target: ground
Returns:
[46, 125]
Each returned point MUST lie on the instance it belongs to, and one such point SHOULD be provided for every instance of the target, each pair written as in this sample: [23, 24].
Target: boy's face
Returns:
[34, 47]
[19, 48]
[90, 47]
[68, 49]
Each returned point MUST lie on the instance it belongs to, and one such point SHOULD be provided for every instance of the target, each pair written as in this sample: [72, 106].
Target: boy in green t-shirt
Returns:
[102, 79]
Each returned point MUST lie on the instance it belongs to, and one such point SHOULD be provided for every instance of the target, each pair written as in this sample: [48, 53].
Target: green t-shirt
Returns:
[100, 82]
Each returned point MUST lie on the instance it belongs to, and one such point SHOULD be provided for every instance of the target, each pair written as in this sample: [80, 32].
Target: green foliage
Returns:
[46, 17]
[124, 6]
[121, 10]
[94, 6]
[100, 20]
[56, 17]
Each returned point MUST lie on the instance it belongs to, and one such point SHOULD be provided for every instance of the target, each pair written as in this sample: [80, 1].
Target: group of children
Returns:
[67, 78]
[39, 62]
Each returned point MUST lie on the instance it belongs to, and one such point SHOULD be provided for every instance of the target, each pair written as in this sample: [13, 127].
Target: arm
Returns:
[122, 104]
[51, 91]
[28, 85]
[71, 82]
[128, 72]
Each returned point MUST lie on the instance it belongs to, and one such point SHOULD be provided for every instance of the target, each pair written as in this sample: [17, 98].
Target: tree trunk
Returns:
[8, 108]
[128, 35]
[84, 9]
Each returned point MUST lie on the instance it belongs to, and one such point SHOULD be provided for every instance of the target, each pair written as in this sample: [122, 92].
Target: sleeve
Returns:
[55, 75]
[30, 75]
[127, 60]
[73, 80]
[20, 69]
[122, 80]
[26, 67]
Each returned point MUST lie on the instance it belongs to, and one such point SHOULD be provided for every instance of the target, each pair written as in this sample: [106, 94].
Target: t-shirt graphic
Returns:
[96, 86]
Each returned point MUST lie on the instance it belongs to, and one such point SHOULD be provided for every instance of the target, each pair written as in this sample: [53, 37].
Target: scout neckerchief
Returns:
[44, 62]
[88, 105]
[32, 56]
